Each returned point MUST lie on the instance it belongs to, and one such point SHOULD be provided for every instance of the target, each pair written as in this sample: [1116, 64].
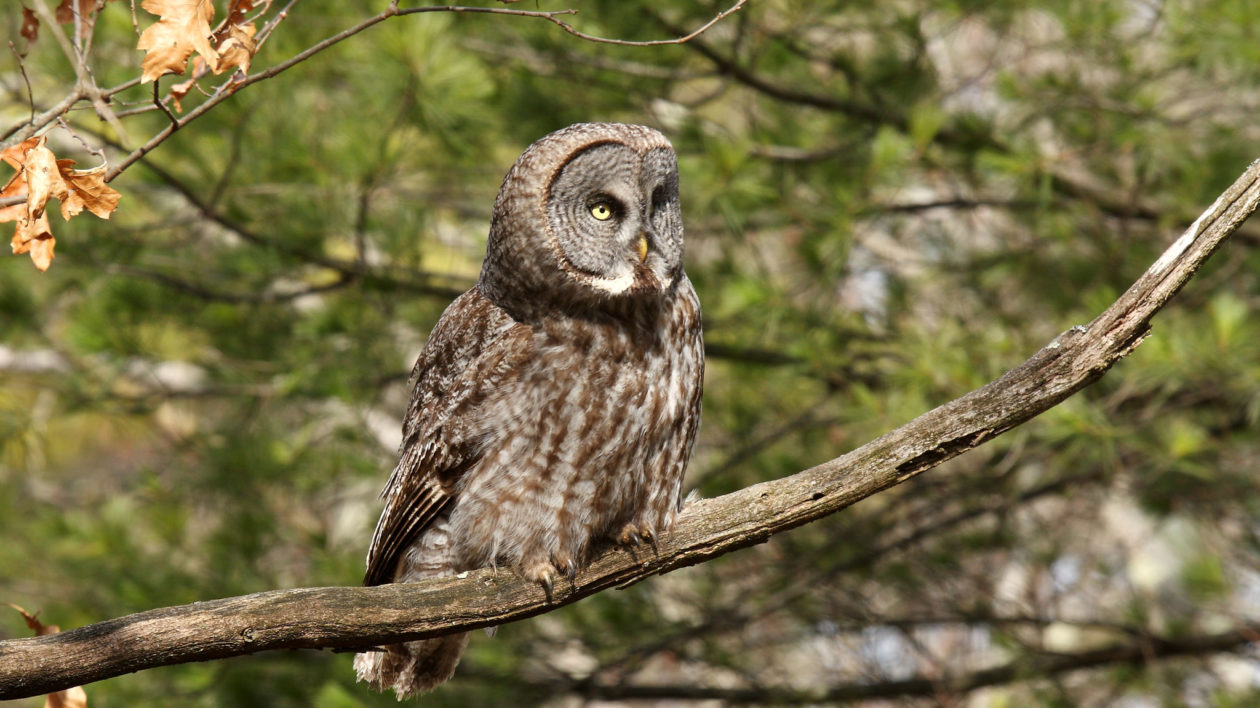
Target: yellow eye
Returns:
[601, 211]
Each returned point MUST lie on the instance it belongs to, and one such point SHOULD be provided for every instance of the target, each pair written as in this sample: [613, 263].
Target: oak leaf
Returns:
[234, 38]
[43, 182]
[74, 697]
[183, 27]
[15, 187]
[34, 236]
[237, 47]
[30, 25]
[87, 190]
[87, 14]
[181, 89]
[65, 11]
[41, 177]
[14, 156]
[236, 14]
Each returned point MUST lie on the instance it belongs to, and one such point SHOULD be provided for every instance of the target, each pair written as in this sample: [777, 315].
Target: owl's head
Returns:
[588, 213]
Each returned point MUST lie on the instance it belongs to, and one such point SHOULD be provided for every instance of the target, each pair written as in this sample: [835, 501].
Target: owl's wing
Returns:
[475, 350]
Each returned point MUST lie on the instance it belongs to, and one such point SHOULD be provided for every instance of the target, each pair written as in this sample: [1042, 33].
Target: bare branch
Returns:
[1140, 651]
[651, 43]
[30, 95]
[775, 89]
[157, 101]
[363, 617]
[23, 131]
[203, 292]
[53, 28]
[86, 88]
[223, 93]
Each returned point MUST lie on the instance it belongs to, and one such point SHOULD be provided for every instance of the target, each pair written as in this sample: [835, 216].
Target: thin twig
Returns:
[97, 152]
[23, 131]
[203, 292]
[30, 95]
[85, 83]
[157, 101]
[99, 97]
[650, 43]
[58, 34]
[270, 26]
[220, 95]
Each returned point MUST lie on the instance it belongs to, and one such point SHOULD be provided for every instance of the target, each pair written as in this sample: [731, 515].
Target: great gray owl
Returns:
[556, 403]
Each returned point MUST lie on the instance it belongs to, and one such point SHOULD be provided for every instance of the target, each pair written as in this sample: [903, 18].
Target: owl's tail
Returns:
[413, 667]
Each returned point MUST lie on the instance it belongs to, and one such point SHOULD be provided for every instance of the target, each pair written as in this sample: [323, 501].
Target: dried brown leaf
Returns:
[34, 236]
[15, 155]
[74, 697]
[183, 28]
[43, 182]
[65, 11]
[237, 48]
[30, 25]
[32, 622]
[41, 177]
[181, 89]
[234, 38]
[236, 13]
[86, 189]
[87, 14]
[15, 187]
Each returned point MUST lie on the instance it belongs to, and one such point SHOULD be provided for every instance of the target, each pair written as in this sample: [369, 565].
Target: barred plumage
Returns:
[556, 403]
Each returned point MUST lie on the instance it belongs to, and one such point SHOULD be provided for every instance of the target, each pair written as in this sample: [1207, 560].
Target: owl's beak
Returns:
[643, 247]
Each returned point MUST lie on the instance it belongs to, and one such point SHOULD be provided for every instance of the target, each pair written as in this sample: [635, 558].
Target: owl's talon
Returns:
[634, 536]
[565, 565]
[544, 574]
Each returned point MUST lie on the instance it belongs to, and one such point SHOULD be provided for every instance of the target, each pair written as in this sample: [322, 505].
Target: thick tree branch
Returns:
[363, 617]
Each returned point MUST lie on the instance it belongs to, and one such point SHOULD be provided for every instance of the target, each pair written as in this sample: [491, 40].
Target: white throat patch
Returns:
[614, 286]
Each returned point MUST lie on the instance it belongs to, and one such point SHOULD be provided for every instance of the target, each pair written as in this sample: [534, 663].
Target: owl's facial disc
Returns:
[613, 214]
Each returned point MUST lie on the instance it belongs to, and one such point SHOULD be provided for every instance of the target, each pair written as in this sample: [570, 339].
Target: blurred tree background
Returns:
[887, 205]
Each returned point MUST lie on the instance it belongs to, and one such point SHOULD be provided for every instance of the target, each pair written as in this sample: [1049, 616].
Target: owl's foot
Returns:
[633, 536]
[546, 573]
[565, 565]
[542, 573]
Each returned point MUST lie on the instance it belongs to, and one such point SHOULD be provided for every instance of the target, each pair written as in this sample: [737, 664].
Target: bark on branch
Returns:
[345, 617]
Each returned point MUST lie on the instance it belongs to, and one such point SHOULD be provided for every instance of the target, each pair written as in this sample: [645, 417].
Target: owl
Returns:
[555, 404]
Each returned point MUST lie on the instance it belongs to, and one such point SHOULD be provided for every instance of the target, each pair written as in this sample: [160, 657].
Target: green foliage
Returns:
[887, 205]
